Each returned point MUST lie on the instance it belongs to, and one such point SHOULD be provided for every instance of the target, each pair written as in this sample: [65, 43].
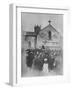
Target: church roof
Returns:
[49, 27]
[30, 34]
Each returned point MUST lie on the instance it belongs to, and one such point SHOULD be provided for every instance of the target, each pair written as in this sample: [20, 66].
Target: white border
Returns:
[12, 44]
[17, 80]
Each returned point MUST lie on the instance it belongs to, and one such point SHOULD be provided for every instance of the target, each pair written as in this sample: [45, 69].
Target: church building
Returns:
[48, 37]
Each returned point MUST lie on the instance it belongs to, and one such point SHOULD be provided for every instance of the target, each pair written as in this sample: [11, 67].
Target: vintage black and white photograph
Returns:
[41, 44]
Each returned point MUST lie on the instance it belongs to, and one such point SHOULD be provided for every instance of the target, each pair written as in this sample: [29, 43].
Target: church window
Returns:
[49, 33]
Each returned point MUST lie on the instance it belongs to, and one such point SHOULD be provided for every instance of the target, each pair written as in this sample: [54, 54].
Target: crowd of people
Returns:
[37, 58]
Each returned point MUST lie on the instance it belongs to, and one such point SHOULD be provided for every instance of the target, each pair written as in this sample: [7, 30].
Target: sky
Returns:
[29, 20]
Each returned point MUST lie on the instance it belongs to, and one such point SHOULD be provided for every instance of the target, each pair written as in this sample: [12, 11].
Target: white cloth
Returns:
[45, 68]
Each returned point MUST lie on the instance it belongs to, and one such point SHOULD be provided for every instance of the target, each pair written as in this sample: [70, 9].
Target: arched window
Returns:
[49, 33]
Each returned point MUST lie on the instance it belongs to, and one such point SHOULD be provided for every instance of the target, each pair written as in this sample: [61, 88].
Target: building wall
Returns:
[43, 39]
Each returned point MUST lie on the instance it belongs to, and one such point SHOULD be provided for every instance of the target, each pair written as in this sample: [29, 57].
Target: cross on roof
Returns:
[49, 21]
